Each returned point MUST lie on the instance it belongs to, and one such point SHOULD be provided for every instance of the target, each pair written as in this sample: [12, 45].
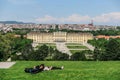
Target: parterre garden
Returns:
[76, 47]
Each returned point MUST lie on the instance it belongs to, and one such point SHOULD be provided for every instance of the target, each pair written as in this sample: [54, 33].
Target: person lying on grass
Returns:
[41, 68]
[47, 68]
[36, 69]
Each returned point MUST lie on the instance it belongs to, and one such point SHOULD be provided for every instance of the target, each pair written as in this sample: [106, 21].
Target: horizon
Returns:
[103, 12]
[21, 22]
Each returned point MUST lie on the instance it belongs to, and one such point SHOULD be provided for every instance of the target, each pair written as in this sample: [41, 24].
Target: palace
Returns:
[42, 37]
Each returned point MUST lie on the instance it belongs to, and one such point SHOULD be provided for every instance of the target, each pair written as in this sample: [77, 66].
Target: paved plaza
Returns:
[6, 64]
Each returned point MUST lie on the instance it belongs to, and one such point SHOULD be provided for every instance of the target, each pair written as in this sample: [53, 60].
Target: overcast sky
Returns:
[61, 11]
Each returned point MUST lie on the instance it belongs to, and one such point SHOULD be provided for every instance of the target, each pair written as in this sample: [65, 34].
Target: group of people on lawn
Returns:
[41, 67]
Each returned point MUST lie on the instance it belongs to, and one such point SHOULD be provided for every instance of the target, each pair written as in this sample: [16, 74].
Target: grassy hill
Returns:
[73, 70]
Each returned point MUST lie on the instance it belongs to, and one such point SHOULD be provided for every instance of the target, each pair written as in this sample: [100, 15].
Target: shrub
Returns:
[78, 56]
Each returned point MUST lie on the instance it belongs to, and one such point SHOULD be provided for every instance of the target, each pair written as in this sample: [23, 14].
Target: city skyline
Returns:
[106, 12]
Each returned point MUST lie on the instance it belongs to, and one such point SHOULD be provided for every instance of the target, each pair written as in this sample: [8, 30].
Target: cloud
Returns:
[113, 17]
[46, 18]
[73, 18]
[109, 17]
[77, 18]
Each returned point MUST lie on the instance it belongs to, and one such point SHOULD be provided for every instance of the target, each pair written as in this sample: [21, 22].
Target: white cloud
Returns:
[46, 18]
[77, 18]
[110, 17]
[113, 17]
[73, 18]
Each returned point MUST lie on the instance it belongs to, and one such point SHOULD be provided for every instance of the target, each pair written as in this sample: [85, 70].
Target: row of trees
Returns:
[48, 53]
[98, 32]
[21, 49]
[106, 32]
[110, 52]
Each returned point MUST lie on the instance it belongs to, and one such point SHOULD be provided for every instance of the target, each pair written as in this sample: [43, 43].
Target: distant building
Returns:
[59, 37]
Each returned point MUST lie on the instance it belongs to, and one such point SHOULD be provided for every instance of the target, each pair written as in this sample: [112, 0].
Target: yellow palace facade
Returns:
[42, 37]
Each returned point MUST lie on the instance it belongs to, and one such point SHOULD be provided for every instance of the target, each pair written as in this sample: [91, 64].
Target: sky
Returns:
[102, 12]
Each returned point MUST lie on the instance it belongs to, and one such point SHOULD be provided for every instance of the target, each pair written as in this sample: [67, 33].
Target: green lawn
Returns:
[77, 47]
[74, 51]
[48, 44]
[74, 70]
[54, 47]
[73, 44]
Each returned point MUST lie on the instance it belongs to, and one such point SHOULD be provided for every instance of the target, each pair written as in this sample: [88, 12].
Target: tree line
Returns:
[106, 50]
[107, 32]
[21, 49]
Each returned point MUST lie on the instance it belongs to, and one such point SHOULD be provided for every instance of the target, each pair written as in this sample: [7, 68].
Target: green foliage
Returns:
[5, 45]
[47, 53]
[77, 47]
[78, 56]
[112, 50]
[60, 56]
[9, 46]
[118, 27]
[22, 47]
[21, 31]
[39, 54]
[105, 32]
[1, 56]
[95, 33]
[96, 54]
[100, 43]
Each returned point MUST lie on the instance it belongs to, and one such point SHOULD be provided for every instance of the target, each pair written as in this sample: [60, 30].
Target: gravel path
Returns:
[6, 64]
[89, 46]
[63, 48]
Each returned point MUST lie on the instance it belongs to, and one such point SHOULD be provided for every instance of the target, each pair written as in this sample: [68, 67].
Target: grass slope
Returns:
[74, 70]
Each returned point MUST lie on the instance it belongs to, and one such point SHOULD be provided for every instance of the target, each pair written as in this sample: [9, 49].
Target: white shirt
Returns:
[46, 68]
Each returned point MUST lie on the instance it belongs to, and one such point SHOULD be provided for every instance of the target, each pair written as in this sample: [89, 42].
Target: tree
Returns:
[21, 48]
[40, 54]
[1, 56]
[5, 46]
[60, 56]
[88, 54]
[100, 43]
[56, 27]
[102, 56]
[112, 50]
[36, 56]
[96, 53]
[78, 56]
[51, 53]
